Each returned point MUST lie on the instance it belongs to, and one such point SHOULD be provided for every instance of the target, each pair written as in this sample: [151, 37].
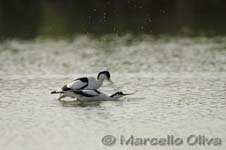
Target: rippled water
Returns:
[181, 83]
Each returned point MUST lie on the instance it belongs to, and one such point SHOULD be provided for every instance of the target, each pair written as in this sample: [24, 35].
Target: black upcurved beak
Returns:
[129, 93]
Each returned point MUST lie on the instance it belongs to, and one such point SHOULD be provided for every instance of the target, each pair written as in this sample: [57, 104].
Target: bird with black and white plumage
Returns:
[93, 95]
[85, 83]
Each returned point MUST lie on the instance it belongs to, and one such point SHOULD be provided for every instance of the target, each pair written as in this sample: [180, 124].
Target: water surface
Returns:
[181, 83]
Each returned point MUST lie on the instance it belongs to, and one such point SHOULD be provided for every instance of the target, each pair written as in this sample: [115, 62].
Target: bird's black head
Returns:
[106, 73]
[120, 93]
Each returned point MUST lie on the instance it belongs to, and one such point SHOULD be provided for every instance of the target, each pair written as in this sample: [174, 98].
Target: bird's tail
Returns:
[56, 92]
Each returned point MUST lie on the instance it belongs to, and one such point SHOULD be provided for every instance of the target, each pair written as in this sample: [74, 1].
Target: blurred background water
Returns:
[30, 18]
[172, 52]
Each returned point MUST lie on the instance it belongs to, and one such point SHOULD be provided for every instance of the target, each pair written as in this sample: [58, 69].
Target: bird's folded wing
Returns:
[77, 84]
[88, 93]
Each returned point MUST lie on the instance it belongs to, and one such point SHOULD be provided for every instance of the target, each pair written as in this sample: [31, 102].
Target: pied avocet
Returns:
[86, 83]
[91, 95]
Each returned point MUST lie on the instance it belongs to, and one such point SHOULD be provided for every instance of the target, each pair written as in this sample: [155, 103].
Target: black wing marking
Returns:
[86, 94]
[83, 79]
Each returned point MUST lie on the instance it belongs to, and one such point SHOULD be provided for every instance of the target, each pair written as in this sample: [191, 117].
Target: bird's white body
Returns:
[93, 95]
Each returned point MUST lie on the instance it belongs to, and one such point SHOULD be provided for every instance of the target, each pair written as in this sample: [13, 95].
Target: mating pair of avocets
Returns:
[85, 89]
